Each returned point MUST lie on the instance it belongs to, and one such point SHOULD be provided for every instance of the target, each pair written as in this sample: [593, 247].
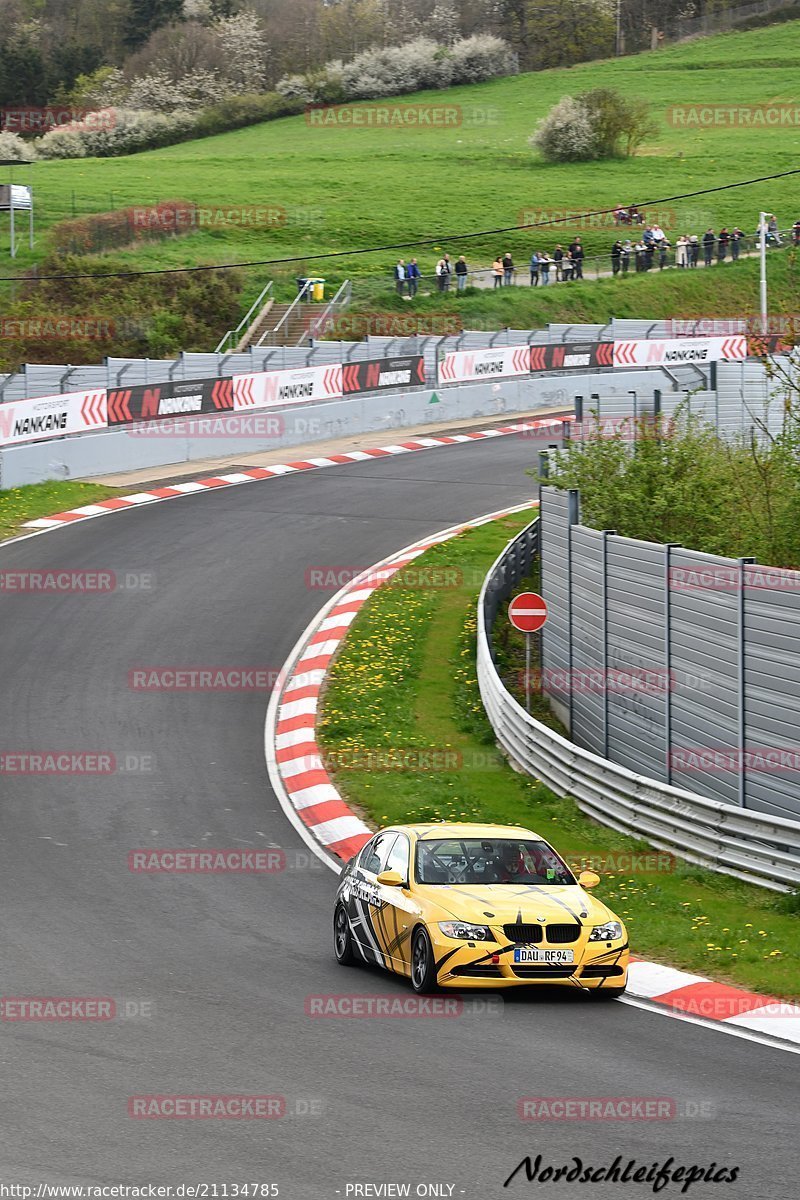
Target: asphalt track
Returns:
[226, 962]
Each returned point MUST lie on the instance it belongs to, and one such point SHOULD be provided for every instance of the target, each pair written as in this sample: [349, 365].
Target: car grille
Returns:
[556, 934]
[601, 972]
[479, 971]
[543, 971]
[523, 933]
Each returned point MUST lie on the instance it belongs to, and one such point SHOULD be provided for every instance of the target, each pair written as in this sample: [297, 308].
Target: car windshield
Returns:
[489, 860]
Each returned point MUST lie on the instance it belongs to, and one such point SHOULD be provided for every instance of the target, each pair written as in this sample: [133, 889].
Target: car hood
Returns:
[508, 902]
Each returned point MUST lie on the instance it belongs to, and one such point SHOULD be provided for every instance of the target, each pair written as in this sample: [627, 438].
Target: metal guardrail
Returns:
[270, 337]
[734, 841]
[232, 337]
[339, 302]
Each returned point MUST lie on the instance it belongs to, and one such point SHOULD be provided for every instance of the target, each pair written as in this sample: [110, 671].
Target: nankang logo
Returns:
[47, 423]
[291, 391]
[494, 367]
[180, 404]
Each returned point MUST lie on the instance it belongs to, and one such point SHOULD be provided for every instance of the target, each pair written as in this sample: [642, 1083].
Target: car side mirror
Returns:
[391, 879]
[588, 879]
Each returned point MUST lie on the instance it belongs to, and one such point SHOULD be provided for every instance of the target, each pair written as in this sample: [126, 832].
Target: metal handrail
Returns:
[748, 845]
[304, 290]
[243, 324]
[337, 301]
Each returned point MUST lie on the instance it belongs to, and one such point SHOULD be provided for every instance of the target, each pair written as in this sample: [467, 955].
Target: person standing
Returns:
[796, 234]
[544, 267]
[443, 271]
[616, 256]
[708, 246]
[736, 237]
[576, 254]
[462, 270]
[625, 255]
[413, 277]
[640, 250]
[508, 269]
[534, 265]
[663, 252]
[567, 268]
[400, 277]
[773, 233]
[722, 243]
[682, 251]
[558, 258]
[497, 272]
[694, 250]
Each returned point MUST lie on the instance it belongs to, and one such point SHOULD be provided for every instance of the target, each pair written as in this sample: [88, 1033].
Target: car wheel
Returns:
[423, 964]
[607, 993]
[342, 938]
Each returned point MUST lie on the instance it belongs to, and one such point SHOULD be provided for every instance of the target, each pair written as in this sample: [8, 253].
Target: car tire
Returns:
[423, 963]
[607, 993]
[342, 938]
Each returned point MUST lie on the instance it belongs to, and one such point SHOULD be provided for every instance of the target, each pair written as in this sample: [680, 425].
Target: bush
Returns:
[125, 132]
[481, 57]
[597, 124]
[124, 226]
[13, 146]
[566, 133]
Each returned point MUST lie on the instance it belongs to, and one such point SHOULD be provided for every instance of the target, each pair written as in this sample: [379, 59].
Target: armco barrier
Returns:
[748, 845]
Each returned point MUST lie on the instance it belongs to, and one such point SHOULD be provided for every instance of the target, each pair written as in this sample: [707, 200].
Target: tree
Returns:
[146, 16]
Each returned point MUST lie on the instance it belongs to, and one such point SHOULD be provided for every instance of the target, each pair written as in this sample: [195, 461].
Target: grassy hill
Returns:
[347, 187]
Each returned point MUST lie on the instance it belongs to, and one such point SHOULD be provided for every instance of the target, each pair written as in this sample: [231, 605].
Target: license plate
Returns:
[532, 954]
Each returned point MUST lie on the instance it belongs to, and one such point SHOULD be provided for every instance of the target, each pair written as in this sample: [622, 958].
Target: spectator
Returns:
[620, 215]
[462, 270]
[558, 258]
[625, 255]
[658, 234]
[400, 277]
[413, 277]
[544, 267]
[736, 237]
[534, 264]
[663, 252]
[682, 251]
[648, 237]
[616, 255]
[649, 252]
[722, 243]
[640, 250]
[708, 246]
[443, 272]
[497, 272]
[508, 269]
[796, 234]
[773, 234]
[567, 267]
[694, 250]
[576, 253]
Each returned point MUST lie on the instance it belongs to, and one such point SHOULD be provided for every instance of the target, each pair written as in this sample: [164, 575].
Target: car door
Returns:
[400, 909]
[363, 898]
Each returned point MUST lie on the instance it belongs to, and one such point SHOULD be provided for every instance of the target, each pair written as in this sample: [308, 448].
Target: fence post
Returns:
[573, 517]
[741, 698]
[668, 548]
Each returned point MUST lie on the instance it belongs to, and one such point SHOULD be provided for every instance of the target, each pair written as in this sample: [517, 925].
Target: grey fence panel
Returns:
[635, 615]
[587, 680]
[556, 638]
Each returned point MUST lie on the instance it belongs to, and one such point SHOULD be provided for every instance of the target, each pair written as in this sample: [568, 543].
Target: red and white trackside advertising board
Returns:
[52, 416]
[674, 352]
[494, 363]
[270, 388]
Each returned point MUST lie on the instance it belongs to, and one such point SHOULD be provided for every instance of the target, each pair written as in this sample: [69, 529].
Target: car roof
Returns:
[442, 829]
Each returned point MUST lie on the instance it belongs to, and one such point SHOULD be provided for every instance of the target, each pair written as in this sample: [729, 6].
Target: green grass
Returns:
[424, 696]
[371, 186]
[21, 504]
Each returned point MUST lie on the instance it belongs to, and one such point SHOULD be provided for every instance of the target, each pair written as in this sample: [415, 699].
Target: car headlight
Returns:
[465, 932]
[606, 933]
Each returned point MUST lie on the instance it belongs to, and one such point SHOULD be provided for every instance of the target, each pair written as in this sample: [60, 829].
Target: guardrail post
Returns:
[741, 690]
[668, 548]
[579, 408]
[573, 517]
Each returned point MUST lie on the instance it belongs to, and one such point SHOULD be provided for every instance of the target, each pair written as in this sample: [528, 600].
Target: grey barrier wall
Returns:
[736, 841]
[678, 665]
[236, 434]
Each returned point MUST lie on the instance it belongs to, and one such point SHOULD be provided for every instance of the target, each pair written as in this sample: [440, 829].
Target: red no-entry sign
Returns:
[527, 612]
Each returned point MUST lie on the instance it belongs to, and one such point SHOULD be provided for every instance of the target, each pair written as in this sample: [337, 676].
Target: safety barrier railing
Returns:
[748, 845]
[231, 339]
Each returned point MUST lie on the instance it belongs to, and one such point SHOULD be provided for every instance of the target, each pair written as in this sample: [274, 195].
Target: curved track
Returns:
[227, 961]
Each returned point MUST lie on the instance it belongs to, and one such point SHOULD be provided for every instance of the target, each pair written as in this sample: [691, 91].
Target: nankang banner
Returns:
[495, 363]
[158, 401]
[379, 374]
[52, 416]
[570, 356]
[676, 352]
[268, 389]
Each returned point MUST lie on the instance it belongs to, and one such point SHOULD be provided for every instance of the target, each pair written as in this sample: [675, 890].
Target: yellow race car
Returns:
[462, 905]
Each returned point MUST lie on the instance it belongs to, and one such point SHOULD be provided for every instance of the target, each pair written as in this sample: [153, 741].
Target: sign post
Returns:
[527, 612]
